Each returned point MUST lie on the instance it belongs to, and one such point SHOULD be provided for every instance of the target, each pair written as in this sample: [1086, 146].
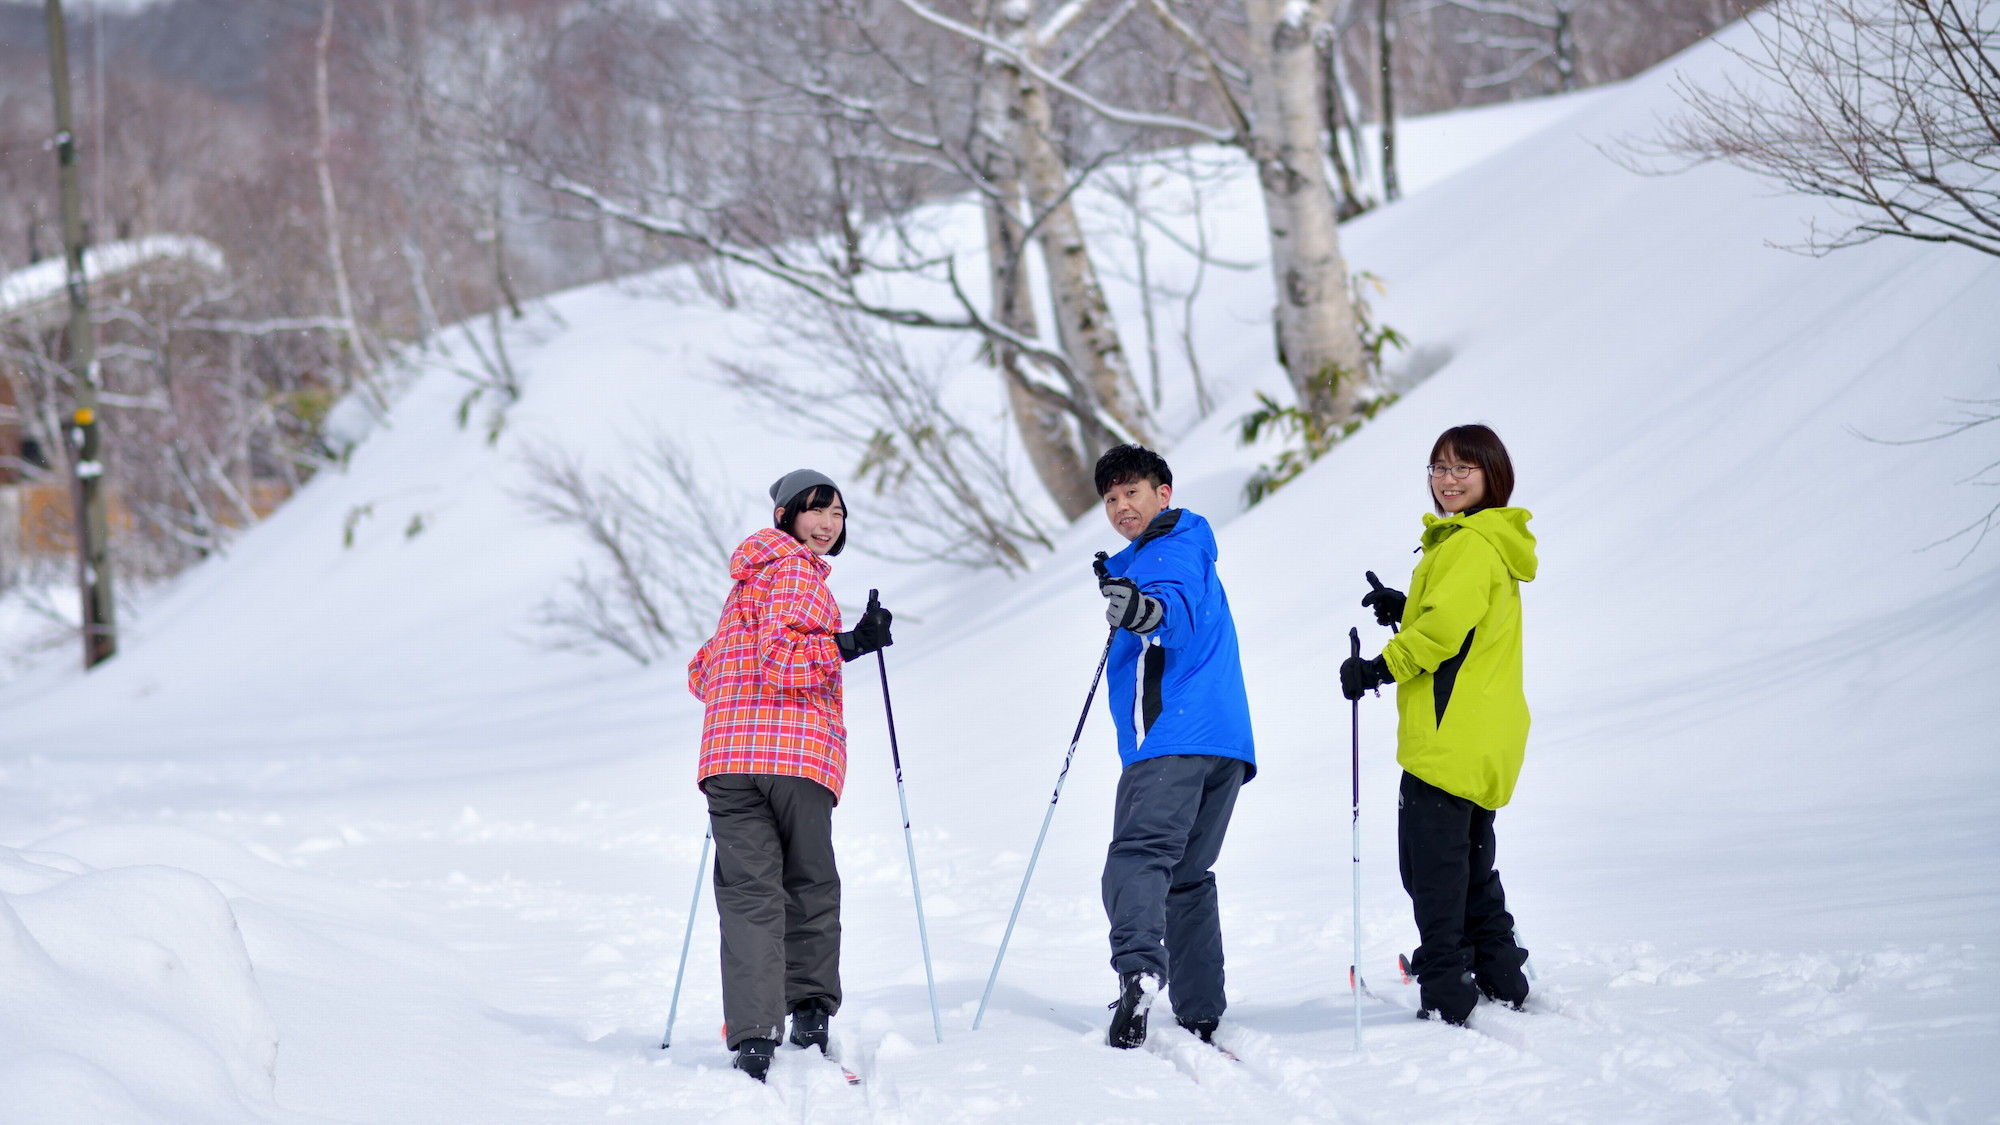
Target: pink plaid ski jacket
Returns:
[770, 676]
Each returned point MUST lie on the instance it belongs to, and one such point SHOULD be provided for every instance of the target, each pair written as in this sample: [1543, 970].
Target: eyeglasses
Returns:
[1458, 472]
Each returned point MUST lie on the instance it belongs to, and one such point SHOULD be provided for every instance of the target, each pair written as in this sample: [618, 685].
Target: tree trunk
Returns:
[1088, 335]
[1357, 141]
[1565, 47]
[414, 258]
[503, 279]
[364, 361]
[1385, 45]
[1046, 428]
[1317, 334]
[1336, 116]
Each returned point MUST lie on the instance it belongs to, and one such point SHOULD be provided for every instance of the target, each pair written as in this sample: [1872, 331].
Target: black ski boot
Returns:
[1502, 980]
[1450, 995]
[1136, 992]
[809, 1024]
[1203, 1030]
[1517, 1002]
[753, 1057]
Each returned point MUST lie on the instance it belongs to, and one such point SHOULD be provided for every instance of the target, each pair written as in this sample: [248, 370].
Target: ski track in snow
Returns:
[1608, 1025]
[1753, 852]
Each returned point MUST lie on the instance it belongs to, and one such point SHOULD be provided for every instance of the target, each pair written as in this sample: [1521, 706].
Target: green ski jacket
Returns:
[1457, 662]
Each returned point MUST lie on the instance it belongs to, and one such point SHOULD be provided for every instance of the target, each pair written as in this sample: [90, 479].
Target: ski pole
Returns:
[1046, 818]
[1354, 970]
[909, 845]
[687, 939]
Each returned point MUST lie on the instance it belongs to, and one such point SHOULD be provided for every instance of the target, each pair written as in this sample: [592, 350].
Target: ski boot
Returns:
[1203, 1030]
[1136, 991]
[809, 1019]
[1502, 981]
[753, 1057]
[1513, 1003]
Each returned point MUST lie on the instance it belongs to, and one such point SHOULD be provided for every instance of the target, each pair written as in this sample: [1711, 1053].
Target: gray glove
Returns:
[1128, 607]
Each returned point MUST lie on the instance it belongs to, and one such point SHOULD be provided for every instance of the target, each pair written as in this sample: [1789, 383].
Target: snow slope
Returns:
[1753, 851]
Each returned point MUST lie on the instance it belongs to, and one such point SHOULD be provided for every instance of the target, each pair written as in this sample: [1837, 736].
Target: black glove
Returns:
[869, 633]
[1128, 607]
[1358, 676]
[1387, 603]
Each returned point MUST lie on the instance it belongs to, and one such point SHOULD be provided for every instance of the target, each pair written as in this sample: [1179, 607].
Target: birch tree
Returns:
[1343, 111]
[1084, 323]
[1049, 431]
[1385, 96]
[361, 355]
[1317, 331]
[1318, 339]
[835, 125]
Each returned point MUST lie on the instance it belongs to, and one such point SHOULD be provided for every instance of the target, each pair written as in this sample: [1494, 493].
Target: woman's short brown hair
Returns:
[1477, 445]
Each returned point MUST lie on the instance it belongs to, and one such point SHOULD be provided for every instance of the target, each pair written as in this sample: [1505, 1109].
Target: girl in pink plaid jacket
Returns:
[770, 677]
[773, 758]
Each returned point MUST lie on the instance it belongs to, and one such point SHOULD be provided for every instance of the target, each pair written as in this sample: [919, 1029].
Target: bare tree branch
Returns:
[1056, 82]
[945, 493]
[1202, 50]
[1893, 109]
[1090, 45]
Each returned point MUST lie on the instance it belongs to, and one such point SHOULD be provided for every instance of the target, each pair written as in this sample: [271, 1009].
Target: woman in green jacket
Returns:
[1463, 720]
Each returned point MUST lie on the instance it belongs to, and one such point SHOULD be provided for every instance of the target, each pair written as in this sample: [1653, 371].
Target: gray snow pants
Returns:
[778, 892]
[1166, 832]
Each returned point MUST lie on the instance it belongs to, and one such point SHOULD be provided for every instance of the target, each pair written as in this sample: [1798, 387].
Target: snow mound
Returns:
[129, 997]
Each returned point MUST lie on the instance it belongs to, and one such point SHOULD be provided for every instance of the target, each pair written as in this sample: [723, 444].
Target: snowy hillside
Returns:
[371, 856]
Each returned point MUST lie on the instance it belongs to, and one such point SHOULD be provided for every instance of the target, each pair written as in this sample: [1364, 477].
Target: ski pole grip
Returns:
[874, 600]
[1103, 571]
[1354, 642]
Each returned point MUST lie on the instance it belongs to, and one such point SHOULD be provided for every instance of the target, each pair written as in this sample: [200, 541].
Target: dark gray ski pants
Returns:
[778, 892]
[1166, 832]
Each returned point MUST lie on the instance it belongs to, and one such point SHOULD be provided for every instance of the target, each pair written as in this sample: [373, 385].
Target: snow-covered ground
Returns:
[332, 840]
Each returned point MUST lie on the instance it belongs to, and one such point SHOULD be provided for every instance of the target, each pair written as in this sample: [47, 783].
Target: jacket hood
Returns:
[765, 547]
[1505, 528]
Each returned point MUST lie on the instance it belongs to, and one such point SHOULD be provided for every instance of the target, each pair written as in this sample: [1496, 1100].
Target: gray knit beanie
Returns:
[797, 481]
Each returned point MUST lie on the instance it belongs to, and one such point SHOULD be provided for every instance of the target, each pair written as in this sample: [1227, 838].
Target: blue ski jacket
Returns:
[1179, 689]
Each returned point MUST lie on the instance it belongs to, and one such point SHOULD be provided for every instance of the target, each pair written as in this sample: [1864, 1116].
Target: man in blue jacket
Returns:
[1176, 694]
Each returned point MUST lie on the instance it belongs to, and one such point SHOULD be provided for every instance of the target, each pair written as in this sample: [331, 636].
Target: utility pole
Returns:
[93, 531]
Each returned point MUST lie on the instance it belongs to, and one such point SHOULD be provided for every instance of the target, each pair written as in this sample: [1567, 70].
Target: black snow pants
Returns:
[1445, 850]
[1166, 832]
[778, 892]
